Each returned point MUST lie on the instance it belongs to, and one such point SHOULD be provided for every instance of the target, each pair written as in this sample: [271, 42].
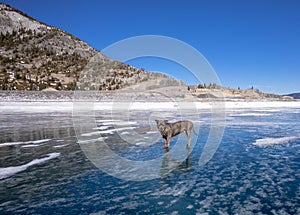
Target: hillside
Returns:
[35, 56]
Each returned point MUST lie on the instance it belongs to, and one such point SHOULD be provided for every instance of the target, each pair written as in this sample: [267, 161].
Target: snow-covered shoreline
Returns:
[67, 106]
[30, 101]
[107, 96]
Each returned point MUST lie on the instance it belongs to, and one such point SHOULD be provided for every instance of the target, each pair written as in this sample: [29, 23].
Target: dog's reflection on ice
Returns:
[170, 164]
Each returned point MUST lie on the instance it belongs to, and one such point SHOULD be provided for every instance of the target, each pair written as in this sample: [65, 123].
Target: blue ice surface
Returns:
[241, 178]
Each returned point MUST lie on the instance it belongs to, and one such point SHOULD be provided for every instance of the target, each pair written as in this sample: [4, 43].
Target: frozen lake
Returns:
[44, 169]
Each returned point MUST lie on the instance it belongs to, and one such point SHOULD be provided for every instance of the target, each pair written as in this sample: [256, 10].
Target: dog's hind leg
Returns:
[189, 141]
[188, 133]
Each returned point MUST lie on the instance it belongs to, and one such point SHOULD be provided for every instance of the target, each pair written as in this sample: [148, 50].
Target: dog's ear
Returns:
[156, 121]
[165, 121]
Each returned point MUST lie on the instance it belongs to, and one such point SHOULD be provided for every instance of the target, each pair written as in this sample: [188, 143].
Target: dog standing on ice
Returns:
[169, 130]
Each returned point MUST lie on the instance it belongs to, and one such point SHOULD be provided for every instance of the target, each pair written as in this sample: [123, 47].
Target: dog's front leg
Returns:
[168, 141]
[165, 142]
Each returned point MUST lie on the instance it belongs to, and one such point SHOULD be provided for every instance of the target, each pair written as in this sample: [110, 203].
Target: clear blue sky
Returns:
[248, 42]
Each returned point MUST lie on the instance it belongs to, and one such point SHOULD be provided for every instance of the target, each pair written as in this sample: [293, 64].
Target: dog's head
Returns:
[161, 124]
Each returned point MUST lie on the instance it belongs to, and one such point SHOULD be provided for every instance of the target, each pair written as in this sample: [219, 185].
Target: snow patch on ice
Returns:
[107, 120]
[60, 141]
[104, 127]
[274, 141]
[10, 171]
[23, 143]
[30, 146]
[92, 140]
[60, 146]
[152, 132]
[109, 131]
[40, 141]
[119, 123]
[190, 207]
[251, 114]
[141, 144]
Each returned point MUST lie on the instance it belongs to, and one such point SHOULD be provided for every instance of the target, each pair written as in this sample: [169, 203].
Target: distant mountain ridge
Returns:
[214, 91]
[294, 95]
[35, 56]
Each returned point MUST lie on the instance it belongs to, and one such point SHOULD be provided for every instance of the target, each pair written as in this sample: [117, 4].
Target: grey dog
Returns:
[169, 130]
